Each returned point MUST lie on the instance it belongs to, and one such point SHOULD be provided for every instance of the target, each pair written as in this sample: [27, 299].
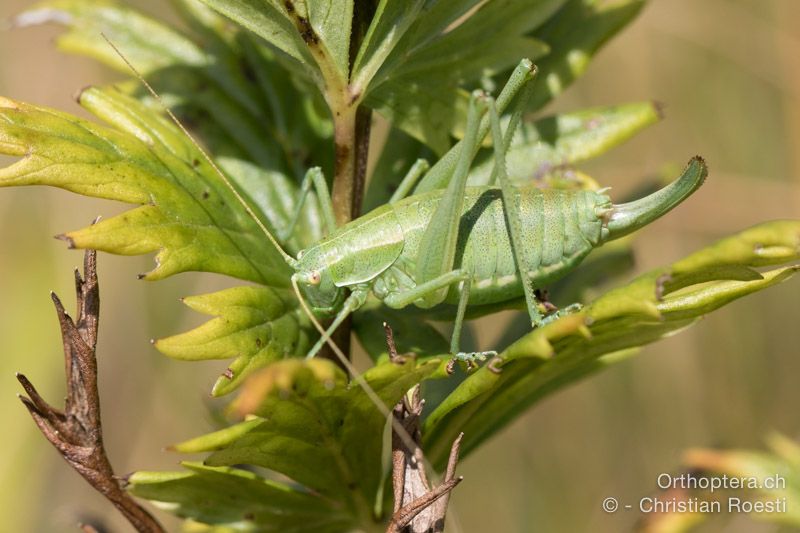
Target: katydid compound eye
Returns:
[314, 278]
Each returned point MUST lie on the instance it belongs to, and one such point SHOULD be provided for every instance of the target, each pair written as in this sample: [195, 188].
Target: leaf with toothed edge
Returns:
[312, 426]
[187, 215]
[254, 325]
[610, 329]
[239, 499]
[221, 81]
[186, 212]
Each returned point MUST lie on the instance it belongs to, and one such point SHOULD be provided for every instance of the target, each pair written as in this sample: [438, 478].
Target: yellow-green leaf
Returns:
[312, 426]
[187, 214]
[623, 319]
[254, 325]
[239, 499]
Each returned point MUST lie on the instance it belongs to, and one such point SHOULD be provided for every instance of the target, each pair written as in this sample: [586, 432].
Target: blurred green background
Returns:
[729, 74]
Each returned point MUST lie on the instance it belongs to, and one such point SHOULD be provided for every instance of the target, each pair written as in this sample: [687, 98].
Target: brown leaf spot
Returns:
[303, 25]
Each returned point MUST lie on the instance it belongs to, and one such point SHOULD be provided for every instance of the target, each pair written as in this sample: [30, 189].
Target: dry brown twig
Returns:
[76, 431]
[418, 508]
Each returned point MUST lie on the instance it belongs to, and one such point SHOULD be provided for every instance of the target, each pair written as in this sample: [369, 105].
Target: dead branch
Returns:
[76, 431]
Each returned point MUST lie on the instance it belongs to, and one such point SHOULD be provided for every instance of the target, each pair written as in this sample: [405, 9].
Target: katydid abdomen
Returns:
[559, 228]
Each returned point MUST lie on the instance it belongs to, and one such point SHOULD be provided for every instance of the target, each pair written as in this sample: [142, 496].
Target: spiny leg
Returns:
[314, 177]
[353, 302]
[437, 248]
[513, 217]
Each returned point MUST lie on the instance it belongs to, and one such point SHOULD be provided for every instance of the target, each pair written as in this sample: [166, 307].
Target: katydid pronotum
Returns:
[456, 244]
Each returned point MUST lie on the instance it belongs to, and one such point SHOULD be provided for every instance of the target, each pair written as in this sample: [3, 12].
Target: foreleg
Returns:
[353, 302]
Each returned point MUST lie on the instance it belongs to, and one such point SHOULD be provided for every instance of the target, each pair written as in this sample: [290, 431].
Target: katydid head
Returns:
[313, 277]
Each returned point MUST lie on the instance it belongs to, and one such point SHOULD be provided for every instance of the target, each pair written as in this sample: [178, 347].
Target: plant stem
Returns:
[351, 133]
[347, 145]
[351, 137]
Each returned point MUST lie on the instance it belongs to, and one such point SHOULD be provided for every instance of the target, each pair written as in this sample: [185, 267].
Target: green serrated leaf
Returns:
[187, 214]
[215, 78]
[239, 499]
[552, 142]
[212, 75]
[254, 325]
[315, 428]
[550, 357]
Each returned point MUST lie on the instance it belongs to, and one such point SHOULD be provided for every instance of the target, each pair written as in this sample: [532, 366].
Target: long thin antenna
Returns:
[291, 261]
